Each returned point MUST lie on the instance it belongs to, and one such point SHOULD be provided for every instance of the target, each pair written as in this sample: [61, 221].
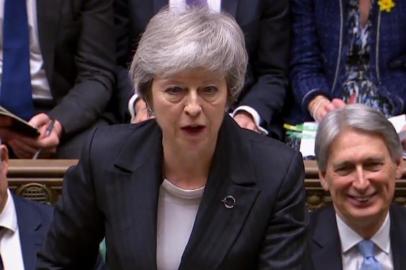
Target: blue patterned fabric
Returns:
[357, 83]
[321, 46]
[196, 3]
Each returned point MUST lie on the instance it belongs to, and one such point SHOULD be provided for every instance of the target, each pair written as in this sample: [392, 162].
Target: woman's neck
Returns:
[187, 169]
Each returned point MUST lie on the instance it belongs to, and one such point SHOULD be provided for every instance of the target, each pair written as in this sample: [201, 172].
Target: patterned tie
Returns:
[16, 91]
[196, 3]
[366, 248]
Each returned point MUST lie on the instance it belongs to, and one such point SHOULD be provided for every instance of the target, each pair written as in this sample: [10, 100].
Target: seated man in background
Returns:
[359, 157]
[23, 224]
[266, 28]
[57, 61]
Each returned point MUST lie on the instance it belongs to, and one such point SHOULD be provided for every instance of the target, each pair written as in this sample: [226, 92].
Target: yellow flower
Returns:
[386, 5]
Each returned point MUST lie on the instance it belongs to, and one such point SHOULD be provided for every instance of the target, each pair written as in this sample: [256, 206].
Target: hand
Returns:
[141, 112]
[25, 147]
[245, 120]
[320, 106]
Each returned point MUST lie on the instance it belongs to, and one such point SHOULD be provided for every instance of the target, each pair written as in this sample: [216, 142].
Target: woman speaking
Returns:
[188, 189]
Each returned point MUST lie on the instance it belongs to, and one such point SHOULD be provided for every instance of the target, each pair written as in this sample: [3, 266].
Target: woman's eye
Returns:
[209, 90]
[175, 90]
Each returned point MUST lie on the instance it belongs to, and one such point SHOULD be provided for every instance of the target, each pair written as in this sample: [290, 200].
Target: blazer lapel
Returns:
[217, 226]
[326, 250]
[29, 225]
[230, 6]
[398, 236]
[48, 14]
[143, 172]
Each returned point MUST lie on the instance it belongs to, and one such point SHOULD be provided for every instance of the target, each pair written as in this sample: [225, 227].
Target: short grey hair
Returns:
[176, 41]
[358, 117]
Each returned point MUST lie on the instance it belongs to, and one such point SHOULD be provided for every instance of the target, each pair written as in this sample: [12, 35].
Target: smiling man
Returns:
[359, 157]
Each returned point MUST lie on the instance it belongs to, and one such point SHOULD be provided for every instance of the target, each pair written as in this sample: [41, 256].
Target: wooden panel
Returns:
[39, 180]
[42, 180]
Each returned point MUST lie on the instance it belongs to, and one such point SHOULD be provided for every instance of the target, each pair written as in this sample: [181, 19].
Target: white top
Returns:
[352, 258]
[10, 246]
[39, 82]
[177, 209]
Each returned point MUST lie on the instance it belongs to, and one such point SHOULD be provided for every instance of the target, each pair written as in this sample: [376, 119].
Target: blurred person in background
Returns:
[23, 224]
[57, 71]
[345, 52]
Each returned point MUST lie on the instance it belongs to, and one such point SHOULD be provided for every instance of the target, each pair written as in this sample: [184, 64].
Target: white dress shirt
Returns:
[10, 245]
[181, 4]
[39, 82]
[352, 258]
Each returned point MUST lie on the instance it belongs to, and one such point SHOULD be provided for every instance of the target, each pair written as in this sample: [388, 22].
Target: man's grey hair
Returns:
[177, 41]
[360, 118]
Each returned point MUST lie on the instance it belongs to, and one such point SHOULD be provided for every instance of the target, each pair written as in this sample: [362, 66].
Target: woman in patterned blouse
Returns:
[348, 51]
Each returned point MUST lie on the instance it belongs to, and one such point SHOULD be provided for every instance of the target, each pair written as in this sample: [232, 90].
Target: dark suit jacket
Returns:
[266, 26]
[324, 242]
[114, 192]
[33, 221]
[77, 45]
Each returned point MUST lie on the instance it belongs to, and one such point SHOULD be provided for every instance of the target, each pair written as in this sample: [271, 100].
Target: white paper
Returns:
[308, 139]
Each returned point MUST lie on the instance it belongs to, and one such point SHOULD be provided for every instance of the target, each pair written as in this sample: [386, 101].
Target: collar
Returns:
[180, 193]
[349, 238]
[8, 217]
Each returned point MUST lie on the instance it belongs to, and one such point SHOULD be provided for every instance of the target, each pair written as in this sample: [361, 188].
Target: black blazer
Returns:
[114, 190]
[266, 27]
[77, 45]
[324, 243]
[33, 220]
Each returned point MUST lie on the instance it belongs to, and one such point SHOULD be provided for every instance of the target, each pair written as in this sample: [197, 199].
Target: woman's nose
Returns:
[193, 106]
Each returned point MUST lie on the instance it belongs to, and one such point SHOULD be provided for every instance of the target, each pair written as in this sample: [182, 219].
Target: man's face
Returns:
[360, 176]
[3, 176]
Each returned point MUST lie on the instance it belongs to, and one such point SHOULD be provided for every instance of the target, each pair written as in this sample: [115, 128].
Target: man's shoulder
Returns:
[322, 217]
[397, 212]
[28, 207]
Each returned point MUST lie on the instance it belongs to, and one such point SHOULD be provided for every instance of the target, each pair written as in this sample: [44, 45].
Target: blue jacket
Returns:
[33, 222]
[319, 50]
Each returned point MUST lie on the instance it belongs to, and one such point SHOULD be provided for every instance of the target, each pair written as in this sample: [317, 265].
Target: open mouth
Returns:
[193, 130]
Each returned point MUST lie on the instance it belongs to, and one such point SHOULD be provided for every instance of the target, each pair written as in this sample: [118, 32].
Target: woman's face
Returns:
[189, 107]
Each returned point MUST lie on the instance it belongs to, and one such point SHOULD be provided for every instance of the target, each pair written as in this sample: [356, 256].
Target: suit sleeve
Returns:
[269, 62]
[77, 227]
[94, 60]
[124, 54]
[285, 239]
[307, 76]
